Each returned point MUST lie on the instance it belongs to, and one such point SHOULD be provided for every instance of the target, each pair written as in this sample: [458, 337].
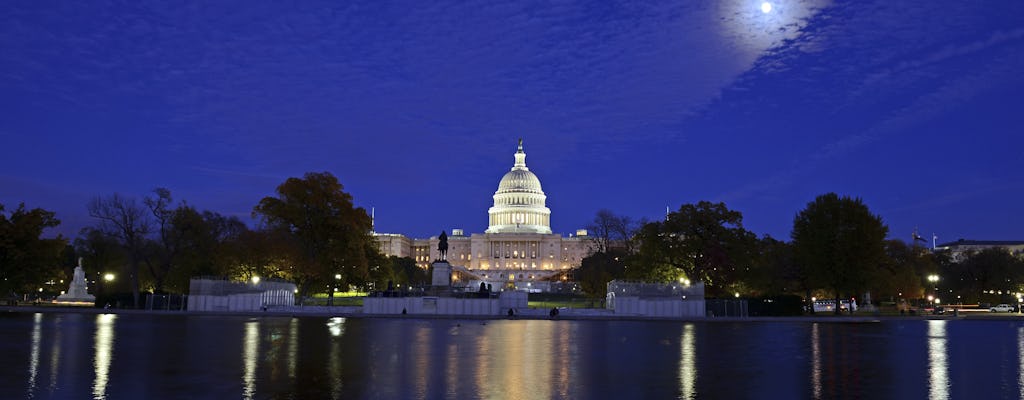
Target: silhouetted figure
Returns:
[483, 290]
[554, 312]
[404, 312]
[442, 246]
[511, 313]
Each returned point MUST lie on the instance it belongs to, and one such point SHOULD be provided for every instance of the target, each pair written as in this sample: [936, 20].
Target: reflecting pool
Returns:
[122, 356]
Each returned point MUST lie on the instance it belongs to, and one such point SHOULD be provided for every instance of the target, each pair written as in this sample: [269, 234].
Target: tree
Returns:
[124, 220]
[265, 253]
[609, 230]
[399, 271]
[26, 259]
[839, 243]
[903, 271]
[333, 236]
[168, 239]
[598, 269]
[705, 242]
[773, 272]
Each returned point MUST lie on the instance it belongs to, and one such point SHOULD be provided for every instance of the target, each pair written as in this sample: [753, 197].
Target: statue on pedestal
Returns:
[442, 246]
[77, 292]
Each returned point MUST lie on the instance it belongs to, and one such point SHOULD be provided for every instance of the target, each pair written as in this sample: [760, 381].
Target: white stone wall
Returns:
[445, 305]
[658, 307]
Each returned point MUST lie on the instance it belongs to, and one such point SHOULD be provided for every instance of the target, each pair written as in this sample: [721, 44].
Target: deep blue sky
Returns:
[914, 106]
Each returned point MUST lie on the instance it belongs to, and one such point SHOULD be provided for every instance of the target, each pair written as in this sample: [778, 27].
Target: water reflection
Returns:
[938, 369]
[271, 357]
[518, 360]
[336, 326]
[561, 359]
[104, 345]
[485, 364]
[421, 348]
[293, 347]
[33, 361]
[55, 354]
[1020, 357]
[250, 358]
[688, 363]
[451, 373]
[816, 360]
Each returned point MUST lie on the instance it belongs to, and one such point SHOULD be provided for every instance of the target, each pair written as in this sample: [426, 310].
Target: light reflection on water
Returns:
[145, 356]
[938, 369]
[104, 344]
[33, 366]
[54, 355]
[336, 326]
[421, 349]
[688, 363]
[293, 347]
[250, 358]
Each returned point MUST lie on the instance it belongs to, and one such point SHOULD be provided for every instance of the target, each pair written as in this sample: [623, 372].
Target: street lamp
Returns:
[108, 277]
[255, 280]
[934, 279]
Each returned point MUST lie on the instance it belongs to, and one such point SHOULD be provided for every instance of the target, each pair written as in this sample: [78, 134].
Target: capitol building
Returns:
[518, 249]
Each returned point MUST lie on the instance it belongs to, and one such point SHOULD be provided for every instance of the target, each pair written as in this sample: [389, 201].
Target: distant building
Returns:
[518, 248]
[959, 249]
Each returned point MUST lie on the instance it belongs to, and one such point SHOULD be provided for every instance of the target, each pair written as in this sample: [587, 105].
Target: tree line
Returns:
[309, 233]
[837, 250]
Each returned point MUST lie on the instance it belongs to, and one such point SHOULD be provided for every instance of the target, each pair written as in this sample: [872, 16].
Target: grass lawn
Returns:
[340, 299]
[551, 300]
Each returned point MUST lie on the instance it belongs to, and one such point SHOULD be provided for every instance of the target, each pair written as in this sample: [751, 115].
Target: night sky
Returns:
[914, 106]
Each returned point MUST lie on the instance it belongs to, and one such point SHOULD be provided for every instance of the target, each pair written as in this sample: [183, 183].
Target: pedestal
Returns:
[442, 276]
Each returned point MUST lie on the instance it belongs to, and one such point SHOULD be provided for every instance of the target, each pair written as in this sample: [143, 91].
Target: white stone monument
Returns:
[77, 293]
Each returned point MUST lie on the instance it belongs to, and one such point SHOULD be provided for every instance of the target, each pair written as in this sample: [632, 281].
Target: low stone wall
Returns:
[659, 307]
[224, 295]
[241, 301]
[232, 302]
[429, 305]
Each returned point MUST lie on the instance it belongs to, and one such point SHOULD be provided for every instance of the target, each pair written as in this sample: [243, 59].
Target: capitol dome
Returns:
[519, 201]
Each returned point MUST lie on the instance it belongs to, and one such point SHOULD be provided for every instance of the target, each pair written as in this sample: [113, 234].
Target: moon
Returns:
[766, 7]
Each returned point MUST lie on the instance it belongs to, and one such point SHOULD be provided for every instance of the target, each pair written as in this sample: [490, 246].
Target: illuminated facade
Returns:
[518, 248]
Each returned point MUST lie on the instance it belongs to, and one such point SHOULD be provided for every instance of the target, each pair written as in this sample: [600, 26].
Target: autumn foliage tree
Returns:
[706, 242]
[332, 235]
